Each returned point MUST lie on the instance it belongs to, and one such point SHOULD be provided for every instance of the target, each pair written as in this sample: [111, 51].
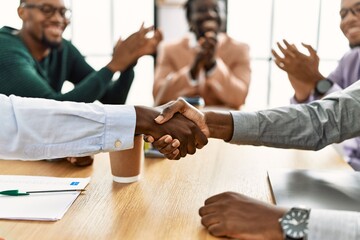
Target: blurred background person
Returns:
[309, 84]
[207, 63]
[36, 60]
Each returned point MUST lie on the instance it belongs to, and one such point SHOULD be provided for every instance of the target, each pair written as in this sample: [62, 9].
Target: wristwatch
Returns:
[323, 86]
[294, 223]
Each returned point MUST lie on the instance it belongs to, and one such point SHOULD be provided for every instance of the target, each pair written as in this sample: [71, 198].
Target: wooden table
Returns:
[164, 203]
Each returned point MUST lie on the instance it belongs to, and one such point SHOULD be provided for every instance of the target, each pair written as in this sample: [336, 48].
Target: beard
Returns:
[51, 44]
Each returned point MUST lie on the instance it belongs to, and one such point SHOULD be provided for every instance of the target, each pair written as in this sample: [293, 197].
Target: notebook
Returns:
[330, 189]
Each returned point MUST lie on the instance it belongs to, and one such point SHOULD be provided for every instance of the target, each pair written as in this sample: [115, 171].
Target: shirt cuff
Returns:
[119, 127]
[334, 225]
[335, 87]
[246, 127]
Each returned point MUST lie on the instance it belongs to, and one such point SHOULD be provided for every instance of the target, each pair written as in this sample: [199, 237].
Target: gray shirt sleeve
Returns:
[334, 225]
[309, 126]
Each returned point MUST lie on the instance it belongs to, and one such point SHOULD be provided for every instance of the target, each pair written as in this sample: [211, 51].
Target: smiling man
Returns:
[309, 84]
[207, 63]
[36, 60]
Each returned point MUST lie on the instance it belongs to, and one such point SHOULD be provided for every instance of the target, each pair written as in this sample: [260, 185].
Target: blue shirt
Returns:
[33, 128]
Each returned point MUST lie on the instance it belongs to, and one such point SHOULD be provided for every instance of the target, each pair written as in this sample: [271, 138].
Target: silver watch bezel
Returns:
[292, 231]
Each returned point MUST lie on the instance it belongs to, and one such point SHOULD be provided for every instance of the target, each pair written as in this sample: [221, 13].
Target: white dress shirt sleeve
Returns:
[334, 225]
[33, 129]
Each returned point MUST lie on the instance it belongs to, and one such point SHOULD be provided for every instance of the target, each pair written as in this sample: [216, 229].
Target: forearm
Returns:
[118, 90]
[89, 89]
[44, 129]
[305, 126]
[220, 124]
[173, 85]
[313, 97]
[26, 82]
[166, 92]
[229, 84]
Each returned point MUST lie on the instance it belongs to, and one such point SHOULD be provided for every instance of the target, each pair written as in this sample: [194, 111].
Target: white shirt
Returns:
[33, 129]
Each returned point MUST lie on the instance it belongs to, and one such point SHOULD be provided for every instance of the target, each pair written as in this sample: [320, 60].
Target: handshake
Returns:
[177, 128]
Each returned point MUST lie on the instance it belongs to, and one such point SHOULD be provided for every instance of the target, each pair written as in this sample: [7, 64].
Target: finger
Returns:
[284, 50]
[169, 148]
[280, 64]
[142, 26]
[214, 198]
[158, 36]
[217, 230]
[146, 30]
[148, 138]
[276, 55]
[200, 139]
[209, 220]
[168, 111]
[290, 49]
[311, 50]
[81, 161]
[174, 155]
[293, 45]
[205, 210]
[191, 146]
[184, 140]
[162, 142]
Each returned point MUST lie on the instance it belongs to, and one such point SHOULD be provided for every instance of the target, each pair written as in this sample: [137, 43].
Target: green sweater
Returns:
[22, 75]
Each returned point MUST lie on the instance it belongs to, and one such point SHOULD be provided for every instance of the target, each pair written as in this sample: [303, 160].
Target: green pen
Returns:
[18, 193]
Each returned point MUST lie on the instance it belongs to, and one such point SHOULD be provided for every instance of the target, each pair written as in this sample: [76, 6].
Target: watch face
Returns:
[295, 223]
[323, 86]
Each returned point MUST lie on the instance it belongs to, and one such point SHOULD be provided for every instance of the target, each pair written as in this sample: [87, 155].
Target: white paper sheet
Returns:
[39, 206]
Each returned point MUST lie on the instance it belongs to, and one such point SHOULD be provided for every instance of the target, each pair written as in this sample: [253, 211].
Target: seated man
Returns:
[309, 84]
[35, 60]
[207, 64]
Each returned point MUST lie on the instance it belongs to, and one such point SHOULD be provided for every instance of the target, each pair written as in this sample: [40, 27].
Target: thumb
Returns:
[169, 109]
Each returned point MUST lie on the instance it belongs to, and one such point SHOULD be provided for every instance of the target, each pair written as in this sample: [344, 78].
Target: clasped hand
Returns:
[169, 145]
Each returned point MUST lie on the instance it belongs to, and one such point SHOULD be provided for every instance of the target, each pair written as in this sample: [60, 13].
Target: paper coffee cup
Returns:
[126, 164]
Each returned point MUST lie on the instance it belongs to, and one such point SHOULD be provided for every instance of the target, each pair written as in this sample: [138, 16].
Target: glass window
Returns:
[249, 22]
[8, 14]
[262, 23]
[97, 24]
[91, 20]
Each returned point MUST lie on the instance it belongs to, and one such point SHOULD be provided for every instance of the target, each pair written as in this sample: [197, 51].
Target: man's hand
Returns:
[166, 145]
[179, 127]
[181, 106]
[205, 57]
[81, 161]
[128, 51]
[303, 70]
[237, 216]
[215, 124]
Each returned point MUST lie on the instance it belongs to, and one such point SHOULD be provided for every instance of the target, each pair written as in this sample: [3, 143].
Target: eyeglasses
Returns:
[354, 10]
[49, 10]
